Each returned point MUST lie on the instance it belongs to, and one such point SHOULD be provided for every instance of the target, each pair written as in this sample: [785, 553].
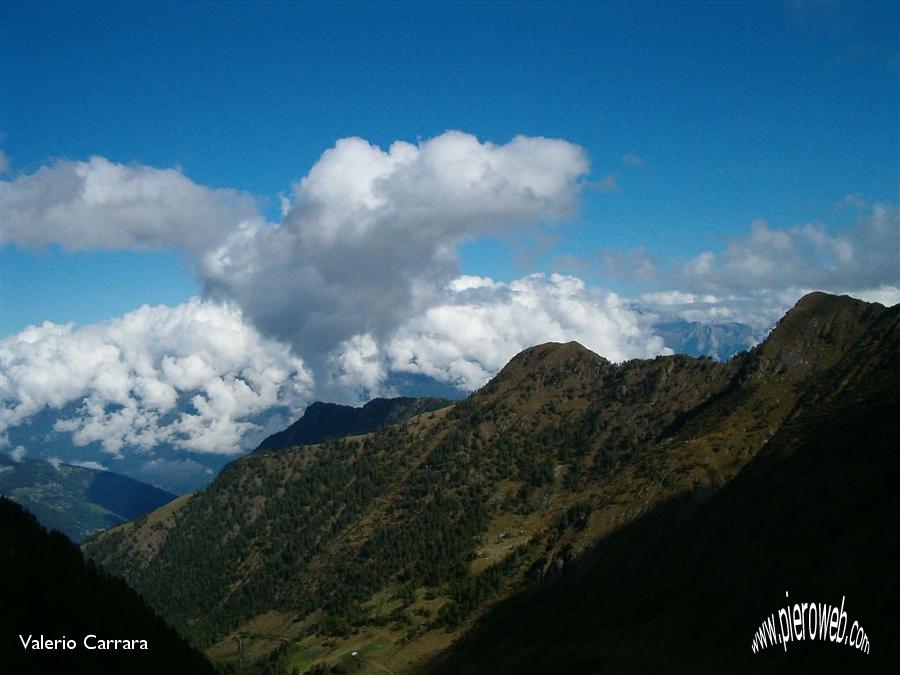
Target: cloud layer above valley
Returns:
[195, 376]
[479, 325]
[187, 376]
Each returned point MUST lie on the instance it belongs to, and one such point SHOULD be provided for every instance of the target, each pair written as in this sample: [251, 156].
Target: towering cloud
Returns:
[371, 238]
[356, 282]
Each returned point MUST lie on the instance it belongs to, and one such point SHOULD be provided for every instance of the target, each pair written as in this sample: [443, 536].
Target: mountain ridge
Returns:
[815, 513]
[325, 421]
[408, 533]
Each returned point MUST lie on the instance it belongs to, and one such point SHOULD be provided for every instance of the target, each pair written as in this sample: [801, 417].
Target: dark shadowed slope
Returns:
[76, 500]
[47, 589]
[684, 588]
[326, 421]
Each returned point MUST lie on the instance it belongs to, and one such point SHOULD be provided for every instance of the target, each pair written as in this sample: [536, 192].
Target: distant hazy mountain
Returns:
[326, 421]
[720, 341]
[392, 544]
[75, 500]
[166, 465]
[49, 592]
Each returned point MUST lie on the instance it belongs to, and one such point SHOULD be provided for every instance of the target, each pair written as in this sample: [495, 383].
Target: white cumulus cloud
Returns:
[807, 256]
[189, 376]
[761, 275]
[479, 324]
[99, 204]
[370, 238]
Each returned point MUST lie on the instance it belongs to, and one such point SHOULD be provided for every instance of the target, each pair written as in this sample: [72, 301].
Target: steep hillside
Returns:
[76, 500]
[48, 590]
[393, 543]
[326, 421]
[684, 588]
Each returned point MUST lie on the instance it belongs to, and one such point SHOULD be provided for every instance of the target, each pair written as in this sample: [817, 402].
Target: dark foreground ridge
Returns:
[48, 590]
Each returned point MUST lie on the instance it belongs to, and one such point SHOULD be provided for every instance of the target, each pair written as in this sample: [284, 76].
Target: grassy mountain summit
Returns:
[683, 588]
[391, 544]
[75, 500]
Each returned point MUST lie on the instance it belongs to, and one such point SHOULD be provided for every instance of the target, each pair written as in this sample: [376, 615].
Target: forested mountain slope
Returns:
[395, 541]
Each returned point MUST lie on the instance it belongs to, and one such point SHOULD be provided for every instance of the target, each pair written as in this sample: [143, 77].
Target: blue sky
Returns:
[187, 198]
[737, 111]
